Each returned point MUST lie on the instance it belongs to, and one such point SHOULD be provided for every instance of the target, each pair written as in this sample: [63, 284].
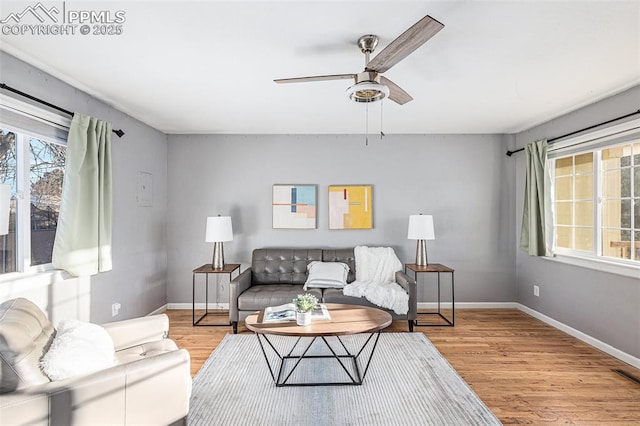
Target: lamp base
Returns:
[421, 253]
[218, 256]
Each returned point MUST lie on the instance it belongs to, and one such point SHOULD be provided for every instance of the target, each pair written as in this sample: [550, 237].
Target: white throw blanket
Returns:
[376, 268]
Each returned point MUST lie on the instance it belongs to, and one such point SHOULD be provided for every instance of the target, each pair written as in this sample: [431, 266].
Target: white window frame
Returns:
[624, 133]
[23, 187]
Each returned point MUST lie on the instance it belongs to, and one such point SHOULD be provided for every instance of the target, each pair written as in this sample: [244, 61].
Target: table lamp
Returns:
[219, 230]
[421, 229]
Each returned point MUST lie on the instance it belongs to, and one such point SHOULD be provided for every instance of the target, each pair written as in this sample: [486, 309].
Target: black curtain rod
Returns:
[510, 153]
[118, 132]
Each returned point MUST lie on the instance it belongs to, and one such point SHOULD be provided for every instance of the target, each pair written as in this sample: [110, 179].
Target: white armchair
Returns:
[150, 382]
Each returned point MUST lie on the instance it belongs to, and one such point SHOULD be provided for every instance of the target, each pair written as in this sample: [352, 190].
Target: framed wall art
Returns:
[350, 207]
[295, 206]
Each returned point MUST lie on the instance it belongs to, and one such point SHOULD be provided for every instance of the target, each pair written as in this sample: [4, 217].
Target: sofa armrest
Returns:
[236, 287]
[154, 390]
[409, 285]
[132, 332]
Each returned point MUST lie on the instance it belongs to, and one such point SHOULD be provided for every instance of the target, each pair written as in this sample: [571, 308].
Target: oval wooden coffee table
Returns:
[345, 320]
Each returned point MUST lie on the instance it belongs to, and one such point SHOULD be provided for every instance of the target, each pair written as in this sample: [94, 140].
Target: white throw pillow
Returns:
[78, 348]
[326, 275]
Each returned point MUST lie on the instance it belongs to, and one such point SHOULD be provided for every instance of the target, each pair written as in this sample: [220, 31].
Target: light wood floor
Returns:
[525, 371]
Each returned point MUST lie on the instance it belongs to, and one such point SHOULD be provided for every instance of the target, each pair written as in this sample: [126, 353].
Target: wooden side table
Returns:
[438, 269]
[207, 269]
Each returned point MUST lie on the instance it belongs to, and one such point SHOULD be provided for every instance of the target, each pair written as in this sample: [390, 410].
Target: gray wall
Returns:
[138, 279]
[465, 181]
[600, 304]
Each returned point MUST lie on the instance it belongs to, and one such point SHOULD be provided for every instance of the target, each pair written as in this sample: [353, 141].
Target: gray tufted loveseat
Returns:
[277, 276]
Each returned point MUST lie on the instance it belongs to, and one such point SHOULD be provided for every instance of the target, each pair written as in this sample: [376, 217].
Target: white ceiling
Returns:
[208, 67]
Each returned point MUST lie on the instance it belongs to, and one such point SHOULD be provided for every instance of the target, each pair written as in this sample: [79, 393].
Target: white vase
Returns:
[303, 318]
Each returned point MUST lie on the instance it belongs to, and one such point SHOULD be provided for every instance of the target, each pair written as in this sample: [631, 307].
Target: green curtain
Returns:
[83, 237]
[537, 233]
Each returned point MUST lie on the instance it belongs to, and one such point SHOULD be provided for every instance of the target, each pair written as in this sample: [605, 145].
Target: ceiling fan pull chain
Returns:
[381, 119]
[366, 126]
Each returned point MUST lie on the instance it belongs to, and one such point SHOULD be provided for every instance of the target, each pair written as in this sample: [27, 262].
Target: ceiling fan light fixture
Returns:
[367, 91]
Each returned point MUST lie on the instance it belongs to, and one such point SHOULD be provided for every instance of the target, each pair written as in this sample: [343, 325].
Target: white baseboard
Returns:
[469, 305]
[421, 305]
[188, 305]
[598, 344]
[160, 310]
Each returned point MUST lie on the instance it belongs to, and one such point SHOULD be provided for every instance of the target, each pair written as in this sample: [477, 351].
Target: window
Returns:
[596, 202]
[33, 165]
[573, 207]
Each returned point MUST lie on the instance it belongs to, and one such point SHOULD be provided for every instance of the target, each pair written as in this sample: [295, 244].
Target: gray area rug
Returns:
[408, 383]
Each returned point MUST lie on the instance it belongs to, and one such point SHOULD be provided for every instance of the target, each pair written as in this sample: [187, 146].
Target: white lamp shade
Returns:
[5, 206]
[421, 227]
[219, 229]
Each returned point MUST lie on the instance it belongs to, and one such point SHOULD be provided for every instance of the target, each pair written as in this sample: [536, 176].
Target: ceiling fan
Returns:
[370, 85]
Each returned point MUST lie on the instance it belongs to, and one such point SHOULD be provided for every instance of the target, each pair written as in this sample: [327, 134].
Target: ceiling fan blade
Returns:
[396, 94]
[406, 43]
[315, 78]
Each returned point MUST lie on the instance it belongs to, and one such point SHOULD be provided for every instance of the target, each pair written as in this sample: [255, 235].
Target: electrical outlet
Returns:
[536, 291]
[115, 308]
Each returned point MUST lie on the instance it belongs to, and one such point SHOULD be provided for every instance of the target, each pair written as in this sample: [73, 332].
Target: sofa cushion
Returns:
[326, 275]
[345, 256]
[287, 266]
[335, 295]
[78, 348]
[25, 333]
[258, 297]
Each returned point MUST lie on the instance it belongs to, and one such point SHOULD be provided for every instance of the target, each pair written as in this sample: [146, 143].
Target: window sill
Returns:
[603, 265]
[34, 278]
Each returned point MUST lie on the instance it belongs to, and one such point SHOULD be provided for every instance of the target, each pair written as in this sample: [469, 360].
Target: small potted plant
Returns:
[304, 306]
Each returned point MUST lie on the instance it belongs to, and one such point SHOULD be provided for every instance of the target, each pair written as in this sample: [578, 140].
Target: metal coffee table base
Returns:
[355, 376]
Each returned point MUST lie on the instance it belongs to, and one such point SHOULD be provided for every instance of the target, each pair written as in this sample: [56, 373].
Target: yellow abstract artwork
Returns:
[350, 207]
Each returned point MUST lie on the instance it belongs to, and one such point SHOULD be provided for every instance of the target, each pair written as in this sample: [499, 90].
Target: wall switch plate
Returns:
[536, 291]
[115, 309]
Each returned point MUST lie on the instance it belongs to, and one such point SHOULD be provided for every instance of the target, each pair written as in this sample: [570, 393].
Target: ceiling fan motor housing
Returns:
[367, 76]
